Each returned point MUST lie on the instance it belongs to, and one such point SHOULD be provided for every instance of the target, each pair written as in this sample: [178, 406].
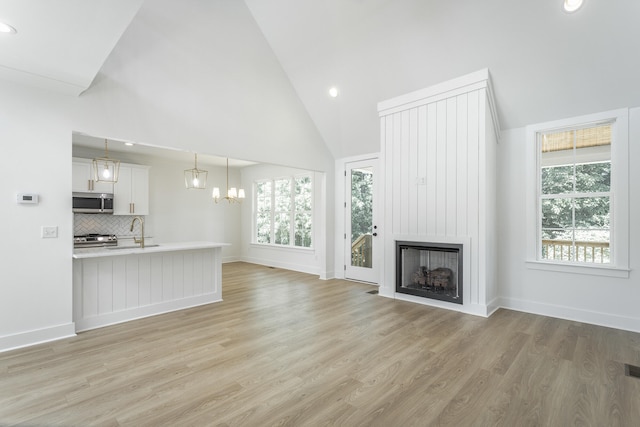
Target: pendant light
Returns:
[104, 168]
[233, 194]
[195, 178]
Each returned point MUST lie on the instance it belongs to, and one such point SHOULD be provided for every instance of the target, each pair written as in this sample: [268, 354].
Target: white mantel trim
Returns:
[477, 80]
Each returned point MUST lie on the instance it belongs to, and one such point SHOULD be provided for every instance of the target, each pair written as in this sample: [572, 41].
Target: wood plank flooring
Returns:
[287, 349]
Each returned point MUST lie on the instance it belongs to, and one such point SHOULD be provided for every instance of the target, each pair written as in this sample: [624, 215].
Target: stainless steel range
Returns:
[95, 241]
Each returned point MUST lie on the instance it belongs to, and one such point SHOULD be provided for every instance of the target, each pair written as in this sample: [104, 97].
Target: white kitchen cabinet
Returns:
[131, 192]
[83, 178]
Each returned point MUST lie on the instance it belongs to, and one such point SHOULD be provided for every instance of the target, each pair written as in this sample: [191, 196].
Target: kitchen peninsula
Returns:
[117, 284]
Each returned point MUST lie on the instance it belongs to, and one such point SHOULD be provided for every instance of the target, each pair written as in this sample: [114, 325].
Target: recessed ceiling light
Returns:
[333, 92]
[6, 28]
[572, 5]
[128, 144]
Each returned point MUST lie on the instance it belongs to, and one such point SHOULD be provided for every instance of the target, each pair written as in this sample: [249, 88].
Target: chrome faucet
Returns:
[141, 239]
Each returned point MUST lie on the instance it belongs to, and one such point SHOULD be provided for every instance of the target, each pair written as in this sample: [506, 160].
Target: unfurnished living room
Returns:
[285, 212]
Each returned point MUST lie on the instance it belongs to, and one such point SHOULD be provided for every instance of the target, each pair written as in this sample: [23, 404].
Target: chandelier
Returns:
[104, 168]
[195, 178]
[233, 194]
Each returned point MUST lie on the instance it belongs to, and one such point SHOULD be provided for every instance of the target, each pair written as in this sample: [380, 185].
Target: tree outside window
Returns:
[575, 194]
[302, 220]
[283, 214]
[263, 211]
[361, 202]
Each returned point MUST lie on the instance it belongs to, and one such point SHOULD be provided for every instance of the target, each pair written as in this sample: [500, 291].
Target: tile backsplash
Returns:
[104, 224]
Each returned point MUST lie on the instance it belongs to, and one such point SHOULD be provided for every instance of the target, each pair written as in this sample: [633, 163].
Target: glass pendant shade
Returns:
[233, 194]
[104, 168]
[195, 178]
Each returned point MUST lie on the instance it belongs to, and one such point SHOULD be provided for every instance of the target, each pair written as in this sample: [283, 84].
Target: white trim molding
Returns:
[619, 195]
[340, 214]
[38, 336]
[571, 313]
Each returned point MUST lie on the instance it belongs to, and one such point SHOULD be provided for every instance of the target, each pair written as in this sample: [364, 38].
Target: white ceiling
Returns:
[545, 64]
[61, 44]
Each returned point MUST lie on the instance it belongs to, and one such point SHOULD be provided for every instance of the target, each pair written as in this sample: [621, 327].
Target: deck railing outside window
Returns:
[566, 250]
[361, 251]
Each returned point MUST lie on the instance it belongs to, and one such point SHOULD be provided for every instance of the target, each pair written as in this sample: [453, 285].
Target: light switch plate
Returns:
[49, 232]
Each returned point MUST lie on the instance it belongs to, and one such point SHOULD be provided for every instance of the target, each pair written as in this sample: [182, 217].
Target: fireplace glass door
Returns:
[430, 270]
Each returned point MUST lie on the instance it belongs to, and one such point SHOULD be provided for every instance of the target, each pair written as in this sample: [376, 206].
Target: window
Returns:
[575, 194]
[263, 211]
[580, 193]
[283, 211]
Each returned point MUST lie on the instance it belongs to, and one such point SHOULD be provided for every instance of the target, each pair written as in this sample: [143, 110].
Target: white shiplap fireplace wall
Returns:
[439, 173]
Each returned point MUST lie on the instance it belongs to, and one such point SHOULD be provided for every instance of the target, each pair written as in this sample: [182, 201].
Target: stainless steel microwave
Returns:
[93, 202]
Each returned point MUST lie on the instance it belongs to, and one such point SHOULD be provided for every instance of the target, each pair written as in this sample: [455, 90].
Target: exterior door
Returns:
[361, 230]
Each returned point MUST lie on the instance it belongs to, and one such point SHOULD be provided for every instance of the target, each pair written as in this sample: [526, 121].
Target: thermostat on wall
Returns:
[27, 198]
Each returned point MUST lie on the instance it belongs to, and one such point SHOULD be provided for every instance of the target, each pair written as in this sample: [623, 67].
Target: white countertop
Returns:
[128, 250]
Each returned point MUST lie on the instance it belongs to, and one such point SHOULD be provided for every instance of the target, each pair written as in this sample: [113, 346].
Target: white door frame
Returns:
[340, 216]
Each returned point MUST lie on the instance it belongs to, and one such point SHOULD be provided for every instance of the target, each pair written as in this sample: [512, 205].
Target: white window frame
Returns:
[292, 212]
[619, 242]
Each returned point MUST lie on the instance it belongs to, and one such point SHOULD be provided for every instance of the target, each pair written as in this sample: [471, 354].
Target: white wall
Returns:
[178, 214]
[213, 87]
[308, 260]
[595, 299]
[35, 289]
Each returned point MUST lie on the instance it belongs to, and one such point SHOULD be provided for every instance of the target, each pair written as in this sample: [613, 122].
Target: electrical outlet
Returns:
[50, 232]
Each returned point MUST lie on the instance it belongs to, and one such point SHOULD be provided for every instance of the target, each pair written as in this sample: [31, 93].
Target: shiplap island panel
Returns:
[116, 285]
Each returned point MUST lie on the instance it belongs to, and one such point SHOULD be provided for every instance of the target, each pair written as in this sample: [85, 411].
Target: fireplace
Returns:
[429, 270]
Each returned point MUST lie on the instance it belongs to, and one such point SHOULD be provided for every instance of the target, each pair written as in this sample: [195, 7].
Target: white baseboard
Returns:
[285, 265]
[327, 275]
[100, 321]
[493, 306]
[570, 313]
[386, 292]
[231, 259]
[38, 336]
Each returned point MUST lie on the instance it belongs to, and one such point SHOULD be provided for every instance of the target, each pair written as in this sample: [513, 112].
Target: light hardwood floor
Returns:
[285, 348]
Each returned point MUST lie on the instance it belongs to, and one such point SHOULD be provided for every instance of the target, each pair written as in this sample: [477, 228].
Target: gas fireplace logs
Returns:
[440, 278]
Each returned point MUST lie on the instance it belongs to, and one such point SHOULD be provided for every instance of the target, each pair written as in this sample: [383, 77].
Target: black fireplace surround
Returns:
[429, 270]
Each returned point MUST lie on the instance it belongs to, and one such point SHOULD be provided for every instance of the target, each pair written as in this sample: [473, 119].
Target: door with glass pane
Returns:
[361, 230]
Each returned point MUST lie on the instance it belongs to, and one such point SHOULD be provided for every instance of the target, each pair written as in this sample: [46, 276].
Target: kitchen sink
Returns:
[132, 247]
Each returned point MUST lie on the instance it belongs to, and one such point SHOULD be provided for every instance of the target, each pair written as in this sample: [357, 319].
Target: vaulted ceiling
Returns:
[61, 45]
[545, 64]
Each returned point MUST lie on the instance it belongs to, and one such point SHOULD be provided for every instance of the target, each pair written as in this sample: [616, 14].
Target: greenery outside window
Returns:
[575, 194]
[283, 211]
[578, 191]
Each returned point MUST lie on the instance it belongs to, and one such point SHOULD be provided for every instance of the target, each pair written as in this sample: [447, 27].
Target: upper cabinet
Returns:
[131, 192]
[83, 178]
